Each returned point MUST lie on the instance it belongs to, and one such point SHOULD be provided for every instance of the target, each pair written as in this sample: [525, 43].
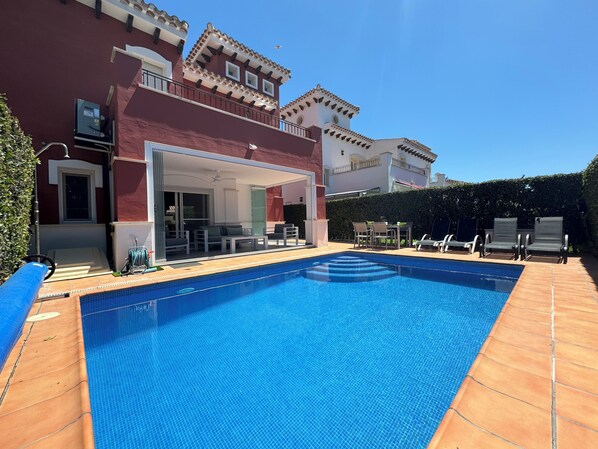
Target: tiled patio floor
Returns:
[533, 385]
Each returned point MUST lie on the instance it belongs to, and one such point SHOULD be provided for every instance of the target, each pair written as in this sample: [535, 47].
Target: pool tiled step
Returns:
[349, 269]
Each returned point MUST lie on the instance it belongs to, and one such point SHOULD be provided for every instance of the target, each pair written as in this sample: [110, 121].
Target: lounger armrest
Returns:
[566, 245]
[488, 239]
[518, 248]
[474, 244]
[528, 240]
[450, 237]
[426, 236]
[446, 238]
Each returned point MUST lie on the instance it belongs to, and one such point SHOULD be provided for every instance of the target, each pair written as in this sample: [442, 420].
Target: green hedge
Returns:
[590, 192]
[17, 162]
[525, 198]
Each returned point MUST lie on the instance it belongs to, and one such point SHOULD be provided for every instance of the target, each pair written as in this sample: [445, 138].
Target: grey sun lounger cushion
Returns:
[440, 230]
[505, 237]
[466, 237]
[548, 237]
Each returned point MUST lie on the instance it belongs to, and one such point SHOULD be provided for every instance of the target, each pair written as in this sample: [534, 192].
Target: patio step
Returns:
[72, 263]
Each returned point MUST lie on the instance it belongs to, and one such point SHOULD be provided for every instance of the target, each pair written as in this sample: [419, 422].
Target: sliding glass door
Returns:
[185, 211]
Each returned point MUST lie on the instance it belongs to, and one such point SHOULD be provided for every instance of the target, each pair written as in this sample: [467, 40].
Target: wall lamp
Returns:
[252, 146]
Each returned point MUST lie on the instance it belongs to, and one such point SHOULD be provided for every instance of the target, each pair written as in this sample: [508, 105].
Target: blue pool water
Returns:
[359, 351]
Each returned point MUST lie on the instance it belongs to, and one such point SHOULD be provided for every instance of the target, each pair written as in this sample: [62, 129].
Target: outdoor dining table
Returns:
[405, 229]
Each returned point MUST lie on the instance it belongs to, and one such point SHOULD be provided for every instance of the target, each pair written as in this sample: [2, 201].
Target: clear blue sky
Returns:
[497, 88]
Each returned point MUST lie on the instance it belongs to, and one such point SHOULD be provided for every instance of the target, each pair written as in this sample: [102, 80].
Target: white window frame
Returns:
[234, 67]
[155, 59]
[268, 90]
[248, 76]
[61, 192]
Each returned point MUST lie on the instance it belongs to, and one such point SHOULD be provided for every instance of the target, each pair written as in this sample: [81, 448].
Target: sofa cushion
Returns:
[175, 242]
[234, 230]
[213, 231]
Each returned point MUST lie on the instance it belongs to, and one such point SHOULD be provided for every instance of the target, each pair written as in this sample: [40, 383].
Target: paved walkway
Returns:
[533, 385]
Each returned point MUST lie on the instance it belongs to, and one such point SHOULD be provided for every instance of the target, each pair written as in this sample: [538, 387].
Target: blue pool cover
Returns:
[358, 351]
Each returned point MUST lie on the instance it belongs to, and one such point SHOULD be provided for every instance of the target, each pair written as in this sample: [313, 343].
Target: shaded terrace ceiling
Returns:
[243, 174]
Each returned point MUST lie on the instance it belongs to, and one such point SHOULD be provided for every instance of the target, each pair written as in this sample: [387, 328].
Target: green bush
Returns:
[590, 193]
[17, 162]
[525, 198]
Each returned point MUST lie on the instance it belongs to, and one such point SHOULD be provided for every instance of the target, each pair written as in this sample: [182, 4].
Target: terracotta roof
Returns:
[417, 149]
[319, 94]
[209, 79]
[350, 136]
[152, 11]
[214, 35]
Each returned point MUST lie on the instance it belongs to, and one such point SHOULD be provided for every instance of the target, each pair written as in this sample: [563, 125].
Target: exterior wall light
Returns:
[252, 146]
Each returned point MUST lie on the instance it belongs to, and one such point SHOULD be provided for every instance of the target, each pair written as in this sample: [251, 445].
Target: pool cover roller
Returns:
[17, 295]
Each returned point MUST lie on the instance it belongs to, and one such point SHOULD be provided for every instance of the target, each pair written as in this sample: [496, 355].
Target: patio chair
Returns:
[438, 237]
[361, 234]
[467, 236]
[380, 232]
[284, 232]
[177, 240]
[548, 238]
[505, 238]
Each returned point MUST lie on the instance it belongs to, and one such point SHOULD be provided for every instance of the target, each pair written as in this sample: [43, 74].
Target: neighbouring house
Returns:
[157, 143]
[441, 180]
[354, 164]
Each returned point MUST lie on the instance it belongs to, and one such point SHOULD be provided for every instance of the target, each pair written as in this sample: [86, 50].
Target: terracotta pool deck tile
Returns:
[578, 337]
[530, 305]
[573, 436]
[24, 393]
[577, 376]
[519, 358]
[528, 315]
[63, 438]
[523, 325]
[565, 306]
[39, 366]
[522, 339]
[527, 387]
[577, 406]
[513, 420]
[32, 423]
[577, 354]
[576, 324]
[561, 312]
[456, 432]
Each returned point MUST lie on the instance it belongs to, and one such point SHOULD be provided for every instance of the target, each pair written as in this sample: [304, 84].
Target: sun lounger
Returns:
[438, 237]
[504, 239]
[466, 237]
[548, 238]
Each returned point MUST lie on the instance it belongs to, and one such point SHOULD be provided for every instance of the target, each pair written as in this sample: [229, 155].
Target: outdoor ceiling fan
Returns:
[218, 177]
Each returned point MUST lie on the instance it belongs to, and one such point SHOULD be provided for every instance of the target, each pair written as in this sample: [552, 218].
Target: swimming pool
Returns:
[351, 350]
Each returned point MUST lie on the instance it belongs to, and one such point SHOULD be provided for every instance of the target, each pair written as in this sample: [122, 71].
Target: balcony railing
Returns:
[406, 166]
[356, 166]
[191, 93]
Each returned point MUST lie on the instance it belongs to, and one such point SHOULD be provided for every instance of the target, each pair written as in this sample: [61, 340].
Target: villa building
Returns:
[157, 143]
[354, 164]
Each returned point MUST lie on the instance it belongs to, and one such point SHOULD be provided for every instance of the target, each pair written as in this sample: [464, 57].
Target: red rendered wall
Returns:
[217, 65]
[53, 54]
[145, 115]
